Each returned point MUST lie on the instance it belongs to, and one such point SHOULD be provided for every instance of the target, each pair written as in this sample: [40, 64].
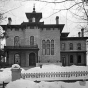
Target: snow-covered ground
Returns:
[56, 68]
[6, 76]
[30, 84]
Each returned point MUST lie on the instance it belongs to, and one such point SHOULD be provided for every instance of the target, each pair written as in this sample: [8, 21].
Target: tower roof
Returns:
[34, 14]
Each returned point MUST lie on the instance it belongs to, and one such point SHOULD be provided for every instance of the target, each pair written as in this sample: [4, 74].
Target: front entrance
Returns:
[32, 61]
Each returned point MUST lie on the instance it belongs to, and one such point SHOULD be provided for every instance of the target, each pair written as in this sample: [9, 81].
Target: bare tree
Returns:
[77, 8]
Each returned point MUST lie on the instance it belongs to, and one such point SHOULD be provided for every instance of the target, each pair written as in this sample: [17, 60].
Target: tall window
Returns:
[71, 58]
[31, 40]
[63, 60]
[48, 47]
[79, 59]
[71, 46]
[43, 47]
[63, 46]
[16, 41]
[79, 46]
[52, 47]
[17, 59]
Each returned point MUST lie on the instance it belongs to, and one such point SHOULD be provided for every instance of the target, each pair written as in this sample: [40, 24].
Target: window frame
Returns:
[16, 41]
[52, 47]
[78, 59]
[43, 47]
[71, 46]
[78, 46]
[63, 60]
[63, 46]
[71, 58]
[15, 58]
[31, 40]
[48, 47]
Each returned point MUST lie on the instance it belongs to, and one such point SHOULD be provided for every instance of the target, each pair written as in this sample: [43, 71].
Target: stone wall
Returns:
[83, 44]
[50, 34]
[67, 52]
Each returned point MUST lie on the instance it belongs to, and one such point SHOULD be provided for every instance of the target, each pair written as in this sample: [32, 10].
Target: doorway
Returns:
[32, 61]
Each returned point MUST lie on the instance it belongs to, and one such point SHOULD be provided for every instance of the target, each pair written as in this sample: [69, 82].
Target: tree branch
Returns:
[65, 9]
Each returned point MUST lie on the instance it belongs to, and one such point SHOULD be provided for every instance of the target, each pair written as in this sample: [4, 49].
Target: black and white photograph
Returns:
[43, 43]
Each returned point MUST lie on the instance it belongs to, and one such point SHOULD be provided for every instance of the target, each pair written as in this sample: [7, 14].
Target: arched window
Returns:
[48, 47]
[31, 40]
[71, 46]
[52, 47]
[79, 46]
[16, 41]
[17, 59]
[43, 47]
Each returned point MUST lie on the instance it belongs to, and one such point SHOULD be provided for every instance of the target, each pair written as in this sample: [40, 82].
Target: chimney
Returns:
[79, 34]
[9, 21]
[82, 32]
[57, 20]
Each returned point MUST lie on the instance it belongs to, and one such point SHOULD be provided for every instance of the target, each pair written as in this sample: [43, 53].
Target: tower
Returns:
[34, 17]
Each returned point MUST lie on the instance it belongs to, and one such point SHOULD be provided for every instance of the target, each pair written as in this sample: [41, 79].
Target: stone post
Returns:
[79, 34]
[16, 72]
[82, 32]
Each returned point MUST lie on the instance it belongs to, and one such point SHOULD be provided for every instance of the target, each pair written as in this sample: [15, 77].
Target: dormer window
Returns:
[33, 19]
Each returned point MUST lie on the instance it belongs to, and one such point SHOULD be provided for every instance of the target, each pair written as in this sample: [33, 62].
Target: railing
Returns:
[76, 75]
[21, 47]
[62, 51]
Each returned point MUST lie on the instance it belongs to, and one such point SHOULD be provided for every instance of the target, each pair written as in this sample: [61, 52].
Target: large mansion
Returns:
[34, 42]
